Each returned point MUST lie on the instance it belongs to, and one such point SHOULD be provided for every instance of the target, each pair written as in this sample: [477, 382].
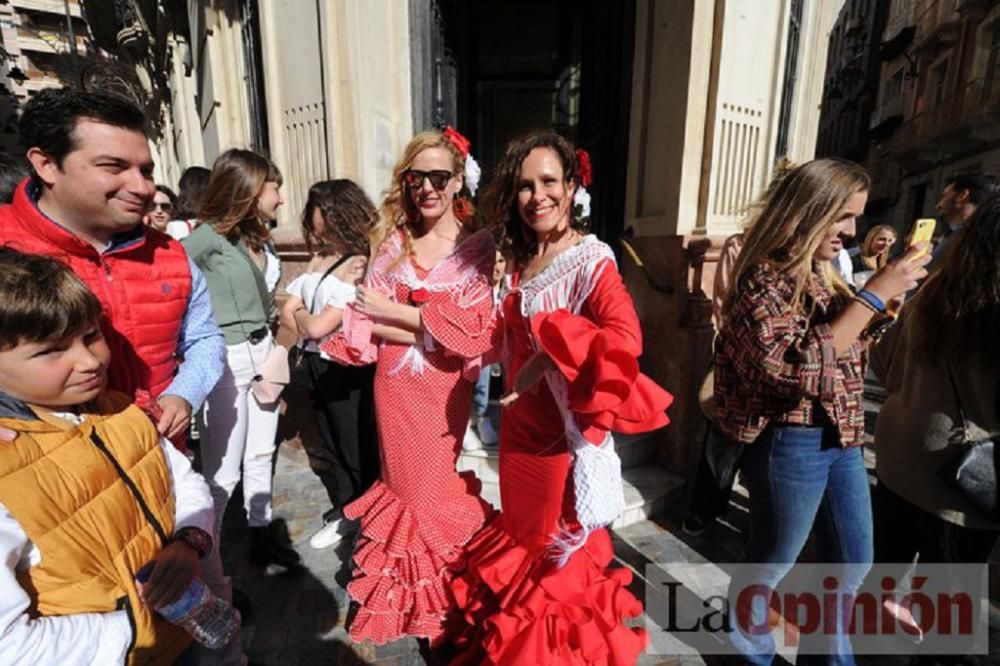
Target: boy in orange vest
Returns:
[89, 490]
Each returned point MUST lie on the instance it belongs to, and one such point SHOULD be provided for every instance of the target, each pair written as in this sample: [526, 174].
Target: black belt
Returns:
[258, 335]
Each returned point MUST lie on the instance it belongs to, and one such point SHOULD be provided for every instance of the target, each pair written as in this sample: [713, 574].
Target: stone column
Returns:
[707, 91]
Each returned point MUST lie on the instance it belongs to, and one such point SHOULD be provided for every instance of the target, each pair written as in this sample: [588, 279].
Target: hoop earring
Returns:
[462, 208]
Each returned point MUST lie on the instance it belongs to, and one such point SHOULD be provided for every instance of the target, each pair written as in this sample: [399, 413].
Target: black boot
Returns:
[266, 549]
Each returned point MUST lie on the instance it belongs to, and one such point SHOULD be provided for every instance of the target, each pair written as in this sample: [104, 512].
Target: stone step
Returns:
[634, 451]
[648, 488]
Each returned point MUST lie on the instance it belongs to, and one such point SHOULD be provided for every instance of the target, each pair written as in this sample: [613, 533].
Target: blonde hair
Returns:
[791, 222]
[230, 200]
[397, 210]
[866, 247]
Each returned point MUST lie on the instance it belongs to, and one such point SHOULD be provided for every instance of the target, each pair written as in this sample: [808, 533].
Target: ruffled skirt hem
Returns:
[399, 577]
[516, 607]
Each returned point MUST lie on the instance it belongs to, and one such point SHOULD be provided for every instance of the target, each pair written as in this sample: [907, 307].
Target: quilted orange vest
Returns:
[143, 285]
[108, 509]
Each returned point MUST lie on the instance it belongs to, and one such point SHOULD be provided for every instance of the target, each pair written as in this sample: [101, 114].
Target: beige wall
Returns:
[707, 89]
[296, 102]
[194, 135]
[339, 107]
[671, 75]
[337, 93]
[707, 84]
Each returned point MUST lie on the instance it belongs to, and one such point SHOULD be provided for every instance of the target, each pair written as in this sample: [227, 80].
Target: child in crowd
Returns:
[481, 431]
[89, 490]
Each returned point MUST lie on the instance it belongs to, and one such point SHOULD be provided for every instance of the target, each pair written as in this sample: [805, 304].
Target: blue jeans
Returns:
[481, 391]
[799, 478]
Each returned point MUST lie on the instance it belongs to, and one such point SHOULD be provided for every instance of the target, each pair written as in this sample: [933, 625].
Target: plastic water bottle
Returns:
[211, 621]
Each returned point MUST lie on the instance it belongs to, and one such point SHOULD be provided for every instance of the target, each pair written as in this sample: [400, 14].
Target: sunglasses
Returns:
[439, 178]
[165, 206]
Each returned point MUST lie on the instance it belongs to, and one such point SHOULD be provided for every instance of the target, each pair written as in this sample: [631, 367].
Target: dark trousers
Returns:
[343, 401]
[902, 530]
[710, 497]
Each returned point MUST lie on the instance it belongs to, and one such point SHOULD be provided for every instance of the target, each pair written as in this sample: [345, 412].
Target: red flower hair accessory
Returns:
[460, 142]
[586, 170]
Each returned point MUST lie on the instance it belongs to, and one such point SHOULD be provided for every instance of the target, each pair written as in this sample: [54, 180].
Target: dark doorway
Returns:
[499, 69]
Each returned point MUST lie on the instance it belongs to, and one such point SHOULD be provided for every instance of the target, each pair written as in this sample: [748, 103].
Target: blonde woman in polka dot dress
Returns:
[424, 316]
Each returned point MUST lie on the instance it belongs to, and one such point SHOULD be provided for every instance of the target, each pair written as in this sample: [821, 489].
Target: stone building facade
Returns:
[685, 106]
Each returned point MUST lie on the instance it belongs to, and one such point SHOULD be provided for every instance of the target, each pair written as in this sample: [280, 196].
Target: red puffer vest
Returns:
[143, 284]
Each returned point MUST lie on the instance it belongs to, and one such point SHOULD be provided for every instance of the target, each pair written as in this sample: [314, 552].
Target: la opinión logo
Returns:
[885, 609]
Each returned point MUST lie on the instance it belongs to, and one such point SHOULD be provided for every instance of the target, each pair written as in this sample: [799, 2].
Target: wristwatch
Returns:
[198, 540]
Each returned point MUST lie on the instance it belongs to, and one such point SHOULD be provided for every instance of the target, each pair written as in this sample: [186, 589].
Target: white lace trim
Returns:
[567, 281]
[453, 275]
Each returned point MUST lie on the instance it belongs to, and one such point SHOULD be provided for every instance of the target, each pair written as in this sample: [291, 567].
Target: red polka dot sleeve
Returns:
[464, 321]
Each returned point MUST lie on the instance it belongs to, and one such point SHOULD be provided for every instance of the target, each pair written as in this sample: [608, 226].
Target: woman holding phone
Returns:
[789, 377]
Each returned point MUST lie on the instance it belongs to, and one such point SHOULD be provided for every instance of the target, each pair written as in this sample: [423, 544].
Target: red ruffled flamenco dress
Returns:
[517, 604]
[415, 520]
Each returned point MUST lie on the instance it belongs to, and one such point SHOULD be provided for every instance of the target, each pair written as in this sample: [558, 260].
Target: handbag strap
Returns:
[958, 401]
[337, 264]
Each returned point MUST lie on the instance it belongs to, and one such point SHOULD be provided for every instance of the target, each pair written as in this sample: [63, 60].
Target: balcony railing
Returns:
[975, 105]
[886, 118]
[50, 6]
[937, 24]
[46, 41]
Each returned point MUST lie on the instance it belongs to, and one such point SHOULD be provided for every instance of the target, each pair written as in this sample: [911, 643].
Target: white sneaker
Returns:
[328, 535]
[488, 435]
[471, 441]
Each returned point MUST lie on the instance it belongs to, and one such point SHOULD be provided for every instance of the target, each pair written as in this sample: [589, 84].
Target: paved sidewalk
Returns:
[300, 619]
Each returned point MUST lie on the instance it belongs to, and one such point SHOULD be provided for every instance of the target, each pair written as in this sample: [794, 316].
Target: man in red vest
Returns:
[91, 184]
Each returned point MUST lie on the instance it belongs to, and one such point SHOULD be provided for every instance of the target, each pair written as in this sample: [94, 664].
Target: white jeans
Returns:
[238, 431]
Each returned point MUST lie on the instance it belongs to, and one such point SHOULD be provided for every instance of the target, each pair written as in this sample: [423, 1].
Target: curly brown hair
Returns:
[398, 211]
[958, 308]
[348, 217]
[499, 199]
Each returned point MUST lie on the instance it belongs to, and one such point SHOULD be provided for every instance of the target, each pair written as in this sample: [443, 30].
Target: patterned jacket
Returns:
[773, 366]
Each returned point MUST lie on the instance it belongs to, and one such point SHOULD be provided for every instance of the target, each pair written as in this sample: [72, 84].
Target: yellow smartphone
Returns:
[923, 231]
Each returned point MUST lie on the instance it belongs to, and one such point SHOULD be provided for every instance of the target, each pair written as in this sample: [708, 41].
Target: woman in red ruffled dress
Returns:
[537, 588]
[425, 316]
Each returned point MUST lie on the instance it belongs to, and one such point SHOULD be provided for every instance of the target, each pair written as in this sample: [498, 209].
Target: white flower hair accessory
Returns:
[472, 174]
[581, 199]
[463, 145]
[581, 203]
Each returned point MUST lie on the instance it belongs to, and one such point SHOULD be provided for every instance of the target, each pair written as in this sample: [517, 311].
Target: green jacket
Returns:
[240, 298]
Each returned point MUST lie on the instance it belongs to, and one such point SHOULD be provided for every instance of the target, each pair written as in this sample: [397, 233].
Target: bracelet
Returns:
[195, 539]
[865, 303]
[871, 300]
